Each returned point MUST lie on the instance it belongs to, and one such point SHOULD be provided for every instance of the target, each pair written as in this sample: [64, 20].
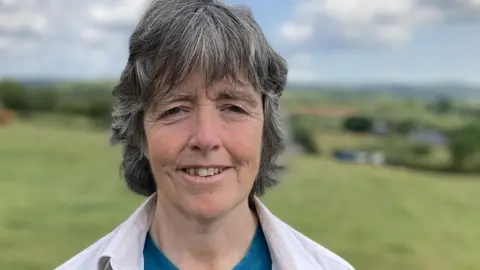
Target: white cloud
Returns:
[297, 32]
[369, 22]
[65, 38]
[123, 11]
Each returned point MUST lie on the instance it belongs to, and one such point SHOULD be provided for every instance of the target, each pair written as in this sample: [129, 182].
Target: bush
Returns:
[71, 107]
[92, 101]
[442, 105]
[14, 96]
[99, 111]
[463, 143]
[399, 151]
[358, 124]
[421, 150]
[306, 139]
[43, 100]
[405, 126]
[303, 135]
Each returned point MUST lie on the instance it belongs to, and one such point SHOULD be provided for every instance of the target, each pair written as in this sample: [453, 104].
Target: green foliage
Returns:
[442, 105]
[421, 150]
[303, 134]
[404, 126]
[14, 96]
[72, 107]
[399, 151]
[463, 143]
[42, 100]
[358, 124]
[77, 99]
[99, 110]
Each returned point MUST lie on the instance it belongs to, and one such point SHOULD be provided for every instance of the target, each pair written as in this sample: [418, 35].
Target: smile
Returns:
[203, 175]
[203, 172]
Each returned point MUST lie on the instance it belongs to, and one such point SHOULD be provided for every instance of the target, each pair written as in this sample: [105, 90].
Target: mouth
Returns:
[203, 174]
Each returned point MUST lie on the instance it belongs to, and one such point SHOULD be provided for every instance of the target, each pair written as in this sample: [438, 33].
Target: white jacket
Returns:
[122, 249]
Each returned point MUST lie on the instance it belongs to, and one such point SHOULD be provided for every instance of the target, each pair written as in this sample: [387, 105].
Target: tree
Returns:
[405, 126]
[463, 143]
[303, 135]
[43, 100]
[442, 105]
[14, 96]
[358, 124]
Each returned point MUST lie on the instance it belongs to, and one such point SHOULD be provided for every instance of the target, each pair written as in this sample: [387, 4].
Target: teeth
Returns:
[203, 171]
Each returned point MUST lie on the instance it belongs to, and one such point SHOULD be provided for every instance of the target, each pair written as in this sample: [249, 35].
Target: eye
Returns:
[172, 112]
[235, 109]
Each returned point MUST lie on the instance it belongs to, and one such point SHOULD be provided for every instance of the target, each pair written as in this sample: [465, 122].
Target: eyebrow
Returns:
[227, 92]
[237, 94]
[176, 96]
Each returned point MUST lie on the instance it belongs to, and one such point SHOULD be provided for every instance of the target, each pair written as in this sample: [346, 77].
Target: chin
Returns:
[211, 206]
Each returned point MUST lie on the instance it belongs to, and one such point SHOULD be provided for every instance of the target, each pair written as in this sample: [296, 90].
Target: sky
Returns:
[334, 41]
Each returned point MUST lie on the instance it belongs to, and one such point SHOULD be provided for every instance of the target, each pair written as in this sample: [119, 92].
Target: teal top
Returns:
[256, 258]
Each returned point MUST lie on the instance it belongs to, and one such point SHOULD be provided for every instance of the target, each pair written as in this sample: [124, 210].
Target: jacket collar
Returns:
[125, 249]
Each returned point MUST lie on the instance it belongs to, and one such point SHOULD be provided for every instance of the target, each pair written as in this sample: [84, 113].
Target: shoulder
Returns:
[88, 258]
[321, 255]
[120, 246]
[303, 251]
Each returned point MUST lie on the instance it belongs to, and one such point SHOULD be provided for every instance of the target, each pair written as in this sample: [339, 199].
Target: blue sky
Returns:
[345, 41]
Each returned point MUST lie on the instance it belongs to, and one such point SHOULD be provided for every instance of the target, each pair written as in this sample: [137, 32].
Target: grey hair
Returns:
[173, 38]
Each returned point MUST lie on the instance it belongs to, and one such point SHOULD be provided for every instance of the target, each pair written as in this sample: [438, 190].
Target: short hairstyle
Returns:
[171, 40]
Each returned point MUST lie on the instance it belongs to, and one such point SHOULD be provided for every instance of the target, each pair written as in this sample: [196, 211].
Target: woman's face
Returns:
[204, 146]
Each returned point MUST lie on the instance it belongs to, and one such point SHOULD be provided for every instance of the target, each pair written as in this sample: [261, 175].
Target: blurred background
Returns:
[382, 112]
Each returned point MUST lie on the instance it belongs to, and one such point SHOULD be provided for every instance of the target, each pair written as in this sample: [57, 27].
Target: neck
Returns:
[203, 244]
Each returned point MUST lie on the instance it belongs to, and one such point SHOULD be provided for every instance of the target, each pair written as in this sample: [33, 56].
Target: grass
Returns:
[332, 140]
[378, 218]
[61, 190]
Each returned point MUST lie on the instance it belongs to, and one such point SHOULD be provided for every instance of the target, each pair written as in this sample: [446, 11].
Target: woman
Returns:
[197, 115]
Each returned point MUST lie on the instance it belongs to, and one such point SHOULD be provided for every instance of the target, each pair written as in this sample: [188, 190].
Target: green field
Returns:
[61, 189]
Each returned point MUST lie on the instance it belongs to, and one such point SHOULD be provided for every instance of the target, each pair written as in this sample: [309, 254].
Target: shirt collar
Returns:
[125, 250]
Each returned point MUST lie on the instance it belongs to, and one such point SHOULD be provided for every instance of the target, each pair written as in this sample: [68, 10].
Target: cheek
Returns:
[245, 141]
[162, 147]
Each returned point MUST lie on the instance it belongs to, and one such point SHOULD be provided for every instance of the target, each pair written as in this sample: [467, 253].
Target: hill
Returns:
[400, 90]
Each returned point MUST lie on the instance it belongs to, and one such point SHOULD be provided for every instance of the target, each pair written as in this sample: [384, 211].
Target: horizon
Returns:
[442, 83]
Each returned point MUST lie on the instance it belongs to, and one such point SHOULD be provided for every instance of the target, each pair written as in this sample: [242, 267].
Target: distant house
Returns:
[427, 136]
[360, 157]
[380, 127]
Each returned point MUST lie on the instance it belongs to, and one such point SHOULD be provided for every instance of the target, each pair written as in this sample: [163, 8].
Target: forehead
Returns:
[197, 85]
[196, 82]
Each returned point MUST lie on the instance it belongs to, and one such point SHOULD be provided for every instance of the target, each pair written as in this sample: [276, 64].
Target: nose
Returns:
[205, 136]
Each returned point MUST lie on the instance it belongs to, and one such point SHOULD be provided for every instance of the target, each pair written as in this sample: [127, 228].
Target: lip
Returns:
[203, 180]
[203, 166]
